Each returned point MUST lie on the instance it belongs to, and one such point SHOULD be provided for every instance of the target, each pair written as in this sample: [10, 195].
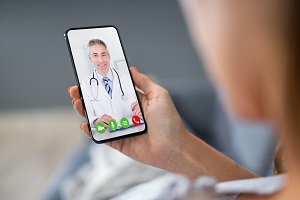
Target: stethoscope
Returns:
[124, 97]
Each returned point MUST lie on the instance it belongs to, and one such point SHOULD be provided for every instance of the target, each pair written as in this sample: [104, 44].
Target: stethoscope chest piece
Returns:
[124, 97]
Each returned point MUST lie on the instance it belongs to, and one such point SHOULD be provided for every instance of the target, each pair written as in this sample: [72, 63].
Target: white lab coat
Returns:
[116, 107]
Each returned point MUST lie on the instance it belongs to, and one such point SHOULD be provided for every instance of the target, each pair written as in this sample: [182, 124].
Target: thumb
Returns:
[142, 81]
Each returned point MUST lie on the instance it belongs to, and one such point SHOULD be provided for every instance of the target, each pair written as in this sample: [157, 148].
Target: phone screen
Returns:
[109, 97]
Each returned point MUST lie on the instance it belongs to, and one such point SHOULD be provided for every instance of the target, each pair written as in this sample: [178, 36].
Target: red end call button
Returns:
[136, 120]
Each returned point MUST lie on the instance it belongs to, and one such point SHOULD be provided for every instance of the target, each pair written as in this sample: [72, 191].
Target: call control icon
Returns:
[124, 122]
[112, 125]
[100, 128]
[136, 120]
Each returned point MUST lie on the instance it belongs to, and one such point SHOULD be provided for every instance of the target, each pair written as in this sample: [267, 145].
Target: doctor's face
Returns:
[100, 58]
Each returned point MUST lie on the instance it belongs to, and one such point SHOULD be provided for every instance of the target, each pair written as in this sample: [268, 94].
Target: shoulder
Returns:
[121, 76]
[86, 82]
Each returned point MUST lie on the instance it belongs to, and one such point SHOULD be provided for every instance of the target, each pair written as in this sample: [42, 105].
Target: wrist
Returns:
[196, 158]
[181, 159]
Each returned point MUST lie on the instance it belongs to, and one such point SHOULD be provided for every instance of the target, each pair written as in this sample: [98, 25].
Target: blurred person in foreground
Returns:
[249, 48]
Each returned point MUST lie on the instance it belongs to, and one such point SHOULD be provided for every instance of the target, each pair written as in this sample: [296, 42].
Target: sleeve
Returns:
[130, 90]
[129, 93]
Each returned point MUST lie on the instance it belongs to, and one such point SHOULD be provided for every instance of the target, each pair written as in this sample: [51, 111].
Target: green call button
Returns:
[100, 128]
[124, 122]
[112, 125]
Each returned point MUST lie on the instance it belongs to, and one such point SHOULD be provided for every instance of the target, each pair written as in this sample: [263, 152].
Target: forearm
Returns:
[196, 158]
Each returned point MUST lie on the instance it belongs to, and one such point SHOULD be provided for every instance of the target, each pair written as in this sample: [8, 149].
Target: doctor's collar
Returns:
[108, 75]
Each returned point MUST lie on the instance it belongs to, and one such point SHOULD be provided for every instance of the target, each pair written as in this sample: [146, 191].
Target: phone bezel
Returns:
[81, 96]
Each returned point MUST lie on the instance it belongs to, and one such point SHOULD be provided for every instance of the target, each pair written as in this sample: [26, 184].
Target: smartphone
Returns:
[109, 98]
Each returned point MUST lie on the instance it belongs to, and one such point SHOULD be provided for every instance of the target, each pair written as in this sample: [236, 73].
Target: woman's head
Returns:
[249, 48]
[239, 42]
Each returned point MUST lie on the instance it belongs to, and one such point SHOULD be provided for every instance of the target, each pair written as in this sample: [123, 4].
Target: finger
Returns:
[105, 124]
[74, 92]
[141, 96]
[134, 112]
[109, 118]
[73, 100]
[78, 107]
[134, 107]
[104, 120]
[84, 127]
[69, 89]
[133, 103]
[131, 106]
[142, 81]
[137, 112]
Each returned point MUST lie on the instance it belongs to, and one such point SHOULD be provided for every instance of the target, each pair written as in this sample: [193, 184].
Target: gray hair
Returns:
[93, 42]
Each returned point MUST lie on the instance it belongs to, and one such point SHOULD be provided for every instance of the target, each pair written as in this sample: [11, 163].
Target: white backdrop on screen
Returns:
[79, 40]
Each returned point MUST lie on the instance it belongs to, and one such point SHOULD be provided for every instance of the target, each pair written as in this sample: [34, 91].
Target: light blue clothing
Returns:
[171, 187]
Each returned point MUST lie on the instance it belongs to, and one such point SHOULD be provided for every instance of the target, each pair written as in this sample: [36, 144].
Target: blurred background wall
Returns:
[35, 65]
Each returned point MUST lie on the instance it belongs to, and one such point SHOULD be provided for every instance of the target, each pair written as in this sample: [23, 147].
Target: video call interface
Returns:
[109, 95]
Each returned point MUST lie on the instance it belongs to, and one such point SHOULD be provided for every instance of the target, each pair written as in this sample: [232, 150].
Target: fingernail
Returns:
[133, 68]
[69, 89]
[73, 101]
[81, 126]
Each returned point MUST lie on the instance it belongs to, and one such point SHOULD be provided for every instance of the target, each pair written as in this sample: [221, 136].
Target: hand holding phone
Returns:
[165, 133]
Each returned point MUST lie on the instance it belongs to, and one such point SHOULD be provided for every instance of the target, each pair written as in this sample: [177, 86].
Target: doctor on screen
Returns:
[107, 94]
